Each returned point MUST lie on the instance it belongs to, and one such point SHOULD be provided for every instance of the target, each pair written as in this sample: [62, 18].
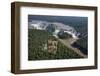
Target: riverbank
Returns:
[69, 42]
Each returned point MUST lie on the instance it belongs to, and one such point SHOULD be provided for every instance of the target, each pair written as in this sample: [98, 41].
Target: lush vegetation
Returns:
[63, 35]
[36, 41]
[82, 45]
[50, 28]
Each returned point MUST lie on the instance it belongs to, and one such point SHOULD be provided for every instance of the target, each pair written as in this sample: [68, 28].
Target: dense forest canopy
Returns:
[37, 38]
[35, 52]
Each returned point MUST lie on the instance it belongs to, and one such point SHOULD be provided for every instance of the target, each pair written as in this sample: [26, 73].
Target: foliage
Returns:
[64, 35]
[82, 45]
[36, 40]
[50, 28]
